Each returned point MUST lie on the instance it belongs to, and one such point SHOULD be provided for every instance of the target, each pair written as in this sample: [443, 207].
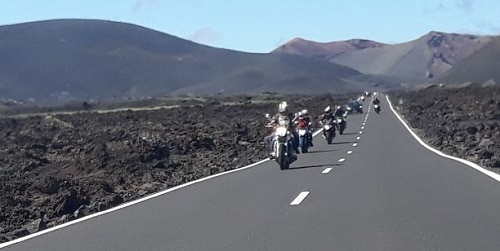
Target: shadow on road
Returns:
[342, 142]
[350, 133]
[314, 166]
[321, 151]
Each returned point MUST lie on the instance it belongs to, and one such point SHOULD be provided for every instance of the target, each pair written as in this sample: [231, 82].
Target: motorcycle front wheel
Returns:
[283, 159]
[329, 136]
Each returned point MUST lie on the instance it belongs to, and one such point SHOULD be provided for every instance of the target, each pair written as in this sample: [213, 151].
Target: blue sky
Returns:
[263, 25]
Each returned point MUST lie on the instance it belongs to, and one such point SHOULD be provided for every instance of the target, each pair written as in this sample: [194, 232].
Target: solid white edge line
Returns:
[317, 132]
[491, 174]
[327, 170]
[127, 204]
[131, 203]
[299, 198]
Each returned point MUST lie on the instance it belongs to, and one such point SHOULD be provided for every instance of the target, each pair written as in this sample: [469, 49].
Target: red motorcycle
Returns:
[303, 131]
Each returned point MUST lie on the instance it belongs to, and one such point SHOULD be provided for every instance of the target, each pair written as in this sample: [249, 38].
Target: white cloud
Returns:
[487, 27]
[139, 3]
[431, 7]
[466, 6]
[206, 36]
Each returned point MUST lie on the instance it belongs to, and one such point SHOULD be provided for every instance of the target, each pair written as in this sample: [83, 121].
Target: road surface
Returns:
[375, 188]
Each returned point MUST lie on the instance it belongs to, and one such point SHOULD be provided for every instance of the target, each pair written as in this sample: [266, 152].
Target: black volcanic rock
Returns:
[463, 122]
[96, 161]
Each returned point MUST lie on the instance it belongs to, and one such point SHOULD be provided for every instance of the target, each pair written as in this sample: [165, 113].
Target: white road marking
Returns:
[355, 144]
[362, 128]
[349, 152]
[317, 132]
[299, 198]
[358, 138]
[491, 174]
[327, 170]
[342, 160]
[130, 203]
[360, 132]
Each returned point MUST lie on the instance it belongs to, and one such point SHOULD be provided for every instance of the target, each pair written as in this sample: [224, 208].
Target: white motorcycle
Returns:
[282, 144]
[329, 131]
[342, 124]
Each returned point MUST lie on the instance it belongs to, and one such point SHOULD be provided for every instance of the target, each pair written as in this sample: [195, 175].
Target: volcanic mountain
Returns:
[73, 59]
[481, 67]
[327, 51]
[418, 61]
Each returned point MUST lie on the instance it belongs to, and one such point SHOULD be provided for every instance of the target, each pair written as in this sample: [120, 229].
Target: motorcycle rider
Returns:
[339, 112]
[376, 103]
[327, 117]
[307, 118]
[284, 113]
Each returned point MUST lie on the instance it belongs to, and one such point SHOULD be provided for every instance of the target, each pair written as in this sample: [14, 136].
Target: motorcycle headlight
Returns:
[282, 122]
[339, 121]
[281, 131]
[327, 127]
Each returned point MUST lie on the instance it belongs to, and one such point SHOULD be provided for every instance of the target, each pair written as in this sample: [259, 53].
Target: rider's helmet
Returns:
[283, 107]
[328, 109]
[304, 112]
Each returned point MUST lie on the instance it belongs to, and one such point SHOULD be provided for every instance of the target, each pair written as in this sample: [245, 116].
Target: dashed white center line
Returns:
[342, 160]
[349, 152]
[360, 132]
[355, 144]
[299, 198]
[358, 138]
[327, 170]
[362, 128]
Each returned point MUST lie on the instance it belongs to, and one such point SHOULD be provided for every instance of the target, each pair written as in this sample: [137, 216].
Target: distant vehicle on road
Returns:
[354, 106]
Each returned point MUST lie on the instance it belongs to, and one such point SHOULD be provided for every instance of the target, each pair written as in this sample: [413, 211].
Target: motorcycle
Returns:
[377, 108]
[349, 109]
[342, 124]
[282, 145]
[303, 130]
[354, 106]
[360, 108]
[329, 131]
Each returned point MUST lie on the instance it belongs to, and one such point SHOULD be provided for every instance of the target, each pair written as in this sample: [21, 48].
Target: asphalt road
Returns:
[381, 191]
